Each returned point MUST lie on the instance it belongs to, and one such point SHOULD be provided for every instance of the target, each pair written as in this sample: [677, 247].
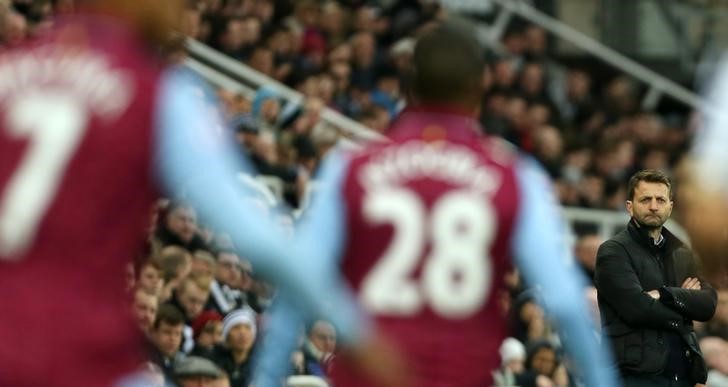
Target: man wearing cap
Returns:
[239, 330]
[197, 371]
[513, 358]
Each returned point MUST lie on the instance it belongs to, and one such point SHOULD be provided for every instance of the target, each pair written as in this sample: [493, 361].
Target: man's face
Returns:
[168, 338]
[227, 270]
[150, 280]
[516, 365]
[544, 361]
[651, 205]
[323, 336]
[183, 222]
[145, 308]
[586, 250]
[201, 267]
[211, 334]
[241, 337]
[193, 299]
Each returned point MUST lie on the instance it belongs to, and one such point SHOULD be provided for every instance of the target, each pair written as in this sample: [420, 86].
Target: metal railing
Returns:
[658, 84]
[254, 79]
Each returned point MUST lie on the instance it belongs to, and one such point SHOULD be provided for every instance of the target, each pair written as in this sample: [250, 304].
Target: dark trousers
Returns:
[637, 380]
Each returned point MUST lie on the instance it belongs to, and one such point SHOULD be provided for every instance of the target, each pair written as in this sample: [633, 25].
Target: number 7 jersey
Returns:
[429, 218]
[76, 119]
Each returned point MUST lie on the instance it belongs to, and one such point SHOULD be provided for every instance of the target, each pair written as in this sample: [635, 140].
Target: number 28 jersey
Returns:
[430, 217]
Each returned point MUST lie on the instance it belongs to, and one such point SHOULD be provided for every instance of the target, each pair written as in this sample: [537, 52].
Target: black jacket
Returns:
[638, 326]
[240, 374]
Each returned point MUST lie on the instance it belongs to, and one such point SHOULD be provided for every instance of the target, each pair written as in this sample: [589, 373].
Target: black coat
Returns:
[638, 326]
[240, 374]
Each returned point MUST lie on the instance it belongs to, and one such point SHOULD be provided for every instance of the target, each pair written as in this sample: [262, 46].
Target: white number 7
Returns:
[53, 123]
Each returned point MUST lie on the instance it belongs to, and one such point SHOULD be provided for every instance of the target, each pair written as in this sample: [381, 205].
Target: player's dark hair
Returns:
[169, 315]
[650, 176]
[448, 65]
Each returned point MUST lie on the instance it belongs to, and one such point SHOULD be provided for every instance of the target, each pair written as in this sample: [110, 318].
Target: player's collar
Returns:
[433, 119]
[440, 109]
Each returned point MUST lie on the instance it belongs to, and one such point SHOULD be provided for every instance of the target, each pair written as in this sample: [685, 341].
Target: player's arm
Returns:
[539, 243]
[703, 188]
[708, 153]
[279, 341]
[194, 158]
[319, 231]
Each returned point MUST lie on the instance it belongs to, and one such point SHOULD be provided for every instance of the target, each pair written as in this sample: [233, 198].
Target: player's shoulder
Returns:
[500, 151]
[363, 153]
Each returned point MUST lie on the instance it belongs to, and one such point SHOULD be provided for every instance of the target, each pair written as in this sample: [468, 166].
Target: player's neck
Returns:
[447, 108]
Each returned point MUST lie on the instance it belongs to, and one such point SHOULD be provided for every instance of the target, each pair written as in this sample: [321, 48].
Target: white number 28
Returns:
[53, 123]
[456, 276]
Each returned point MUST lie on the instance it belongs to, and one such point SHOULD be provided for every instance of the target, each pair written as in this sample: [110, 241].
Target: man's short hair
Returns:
[169, 315]
[170, 259]
[199, 282]
[448, 65]
[649, 176]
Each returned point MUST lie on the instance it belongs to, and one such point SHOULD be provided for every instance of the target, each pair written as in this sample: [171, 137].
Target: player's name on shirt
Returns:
[82, 75]
[447, 162]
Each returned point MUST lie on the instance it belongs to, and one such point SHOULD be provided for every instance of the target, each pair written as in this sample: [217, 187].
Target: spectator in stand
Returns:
[318, 348]
[280, 42]
[175, 263]
[197, 372]
[715, 351]
[548, 149]
[145, 307]
[375, 117]
[532, 83]
[262, 60]
[718, 325]
[207, 329]
[191, 22]
[166, 339]
[577, 103]
[178, 226]
[585, 252]
[150, 277]
[203, 265]
[543, 367]
[235, 41]
[365, 60]
[190, 298]
[335, 22]
[225, 294]
[235, 355]
[266, 108]
[527, 318]
[513, 360]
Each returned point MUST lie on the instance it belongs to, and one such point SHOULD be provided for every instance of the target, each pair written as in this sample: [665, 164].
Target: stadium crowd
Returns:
[193, 296]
